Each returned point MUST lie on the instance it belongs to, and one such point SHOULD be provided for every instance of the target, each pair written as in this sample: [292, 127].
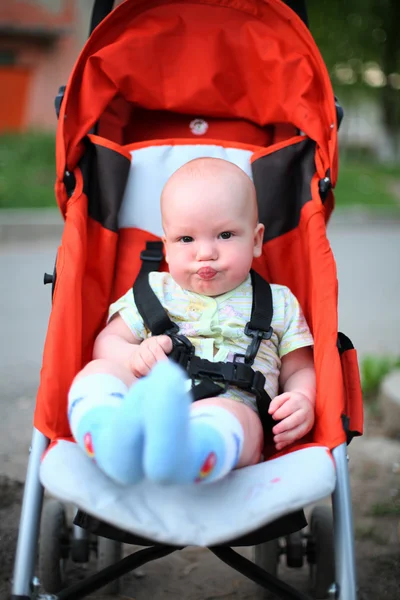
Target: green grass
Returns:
[27, 170]
[27, 174]
[386, 509]
[373, 370]
[367, 184]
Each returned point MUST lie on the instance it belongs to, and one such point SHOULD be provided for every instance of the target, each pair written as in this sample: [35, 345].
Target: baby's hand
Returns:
[151, 351]
[295, 412]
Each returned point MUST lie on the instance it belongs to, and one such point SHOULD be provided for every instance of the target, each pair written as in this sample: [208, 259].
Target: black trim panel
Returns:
[105, 173]
[283, 184]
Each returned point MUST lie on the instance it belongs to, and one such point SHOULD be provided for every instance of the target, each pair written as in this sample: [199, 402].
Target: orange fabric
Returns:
[130, 245]
[144, 125]
[85, 272]
[182, 56]
[185, 141]
[353, 395]
[283, 131]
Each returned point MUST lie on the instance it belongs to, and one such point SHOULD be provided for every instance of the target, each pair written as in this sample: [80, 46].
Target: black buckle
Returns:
[258, 384]
[228, 373]
[254, 345]
[151, 255]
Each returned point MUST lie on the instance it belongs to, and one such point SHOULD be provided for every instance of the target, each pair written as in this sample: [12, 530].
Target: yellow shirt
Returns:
[215, 326]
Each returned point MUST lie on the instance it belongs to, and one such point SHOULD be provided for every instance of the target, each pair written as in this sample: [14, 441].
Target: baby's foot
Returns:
[98, 420]
[183, 445]
[166, 406]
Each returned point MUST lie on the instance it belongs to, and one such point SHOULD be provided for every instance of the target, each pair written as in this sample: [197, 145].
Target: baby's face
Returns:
[211, 234]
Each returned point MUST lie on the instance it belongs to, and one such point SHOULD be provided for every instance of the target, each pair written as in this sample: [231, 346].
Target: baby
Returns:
[131, 408]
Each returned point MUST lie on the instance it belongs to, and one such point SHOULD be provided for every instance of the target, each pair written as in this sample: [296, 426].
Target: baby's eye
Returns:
[225, 235]
[186, 239]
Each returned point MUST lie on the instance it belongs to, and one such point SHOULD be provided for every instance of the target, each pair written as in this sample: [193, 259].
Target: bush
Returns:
[374, 369]
[27, 170]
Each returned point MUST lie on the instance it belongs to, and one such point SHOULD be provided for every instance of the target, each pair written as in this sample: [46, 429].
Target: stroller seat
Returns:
[192, 515]
[187, 515]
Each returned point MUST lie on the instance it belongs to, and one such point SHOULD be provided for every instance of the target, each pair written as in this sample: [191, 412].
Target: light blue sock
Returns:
[101, 424]
[216, 442]
[185, 442]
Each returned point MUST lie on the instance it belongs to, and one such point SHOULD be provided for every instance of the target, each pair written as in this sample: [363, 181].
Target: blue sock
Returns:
[101, 426]
[216, 442]
[185, 442]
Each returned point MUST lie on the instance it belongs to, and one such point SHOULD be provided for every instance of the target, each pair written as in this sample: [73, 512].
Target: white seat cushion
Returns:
[198, 514]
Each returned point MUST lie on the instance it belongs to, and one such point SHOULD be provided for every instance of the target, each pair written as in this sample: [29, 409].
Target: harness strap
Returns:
[152, 312]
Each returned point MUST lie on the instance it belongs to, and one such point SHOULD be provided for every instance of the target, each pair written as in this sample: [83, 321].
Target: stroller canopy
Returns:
[249, 60]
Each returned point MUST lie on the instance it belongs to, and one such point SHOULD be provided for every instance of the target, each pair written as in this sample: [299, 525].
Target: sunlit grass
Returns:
[27, 170]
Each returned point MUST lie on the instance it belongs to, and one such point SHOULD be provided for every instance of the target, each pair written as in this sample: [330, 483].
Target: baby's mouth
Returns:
[206, 273]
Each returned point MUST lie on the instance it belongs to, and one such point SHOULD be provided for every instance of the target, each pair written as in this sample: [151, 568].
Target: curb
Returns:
[30, 225]
[22, 225]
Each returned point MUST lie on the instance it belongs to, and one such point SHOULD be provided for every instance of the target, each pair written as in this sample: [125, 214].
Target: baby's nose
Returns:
[206, 251]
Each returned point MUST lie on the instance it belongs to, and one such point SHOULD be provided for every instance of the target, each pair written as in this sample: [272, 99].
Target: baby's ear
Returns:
[164, 241]
[258, 240]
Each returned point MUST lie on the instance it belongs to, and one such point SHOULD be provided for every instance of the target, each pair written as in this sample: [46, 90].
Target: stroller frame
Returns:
[26, 587]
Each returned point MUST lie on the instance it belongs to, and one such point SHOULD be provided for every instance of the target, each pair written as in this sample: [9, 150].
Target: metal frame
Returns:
[24, 586]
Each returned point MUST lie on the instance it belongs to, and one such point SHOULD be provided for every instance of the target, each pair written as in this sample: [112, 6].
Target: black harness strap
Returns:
[153, 314]
[262, 310]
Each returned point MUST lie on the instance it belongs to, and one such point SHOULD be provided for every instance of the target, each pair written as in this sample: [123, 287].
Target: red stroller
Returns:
[158, 83]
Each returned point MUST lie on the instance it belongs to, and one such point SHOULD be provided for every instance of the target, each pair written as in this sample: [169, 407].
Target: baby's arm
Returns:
[117, 343]
[294, 408]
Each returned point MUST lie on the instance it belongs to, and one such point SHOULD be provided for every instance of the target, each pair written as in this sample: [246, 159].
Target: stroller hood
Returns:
[251, 60]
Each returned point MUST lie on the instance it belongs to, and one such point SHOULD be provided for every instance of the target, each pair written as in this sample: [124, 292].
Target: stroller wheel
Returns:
[108, 553]
[266, 556]
[294, 550]
[53, 546]
[320, 552]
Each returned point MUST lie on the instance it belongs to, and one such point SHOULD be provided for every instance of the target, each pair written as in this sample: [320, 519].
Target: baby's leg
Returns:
[253, 437]
[97, 420]
[212, 436]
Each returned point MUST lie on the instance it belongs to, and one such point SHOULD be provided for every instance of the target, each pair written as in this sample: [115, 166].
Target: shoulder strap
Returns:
[150, 308]
[262, 307]
[259, 326]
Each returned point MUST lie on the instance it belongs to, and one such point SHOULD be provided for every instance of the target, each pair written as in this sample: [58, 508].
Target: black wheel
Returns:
[80, 550]
[294, 550]
[108, 553]
[321, 553]
[266, 556]
[53, 546]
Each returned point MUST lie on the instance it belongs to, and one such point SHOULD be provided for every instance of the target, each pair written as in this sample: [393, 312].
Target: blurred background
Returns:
[359, 40]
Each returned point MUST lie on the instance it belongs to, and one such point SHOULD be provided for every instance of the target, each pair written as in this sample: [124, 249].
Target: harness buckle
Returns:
[152, 255]
[258, 335]
[182, 348]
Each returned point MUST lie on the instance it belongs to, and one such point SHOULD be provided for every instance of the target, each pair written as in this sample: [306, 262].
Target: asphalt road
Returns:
[368, 261]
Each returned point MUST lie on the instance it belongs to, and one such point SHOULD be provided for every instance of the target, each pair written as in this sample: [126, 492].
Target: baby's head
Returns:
[211, 229]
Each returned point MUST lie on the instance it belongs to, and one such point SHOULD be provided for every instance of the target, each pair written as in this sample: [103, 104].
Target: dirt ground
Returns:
[196, 574]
